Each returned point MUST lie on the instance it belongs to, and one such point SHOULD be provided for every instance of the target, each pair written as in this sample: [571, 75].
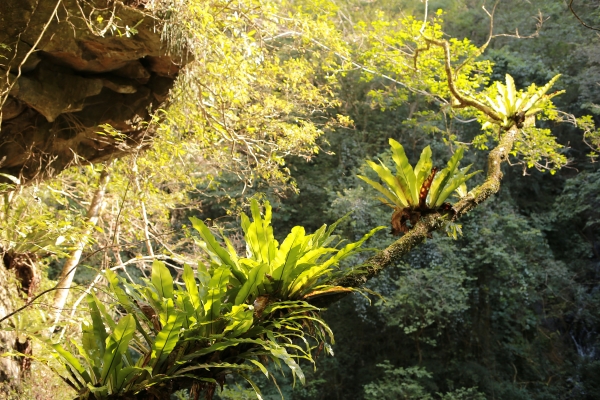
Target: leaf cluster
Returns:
[417, 189]
[232, 318]
[535, 147]
[512, 106]
[299, 268]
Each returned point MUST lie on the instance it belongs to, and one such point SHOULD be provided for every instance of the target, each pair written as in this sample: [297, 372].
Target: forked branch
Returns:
[434, 221]
[463, 101]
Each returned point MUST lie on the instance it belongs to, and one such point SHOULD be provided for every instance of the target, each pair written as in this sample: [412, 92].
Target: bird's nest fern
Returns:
[413, 192]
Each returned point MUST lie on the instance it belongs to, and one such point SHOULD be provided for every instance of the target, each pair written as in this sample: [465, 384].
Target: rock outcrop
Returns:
[75, 81]
[103, 63]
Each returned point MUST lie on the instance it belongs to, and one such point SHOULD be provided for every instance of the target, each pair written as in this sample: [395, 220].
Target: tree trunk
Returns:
[68, 271]
[9, 366]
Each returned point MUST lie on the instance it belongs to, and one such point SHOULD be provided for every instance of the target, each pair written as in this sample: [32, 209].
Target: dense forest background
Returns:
[510, 309]
[511, 306]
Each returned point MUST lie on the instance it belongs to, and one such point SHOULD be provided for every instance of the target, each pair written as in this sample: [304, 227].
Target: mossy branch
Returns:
[432, 222]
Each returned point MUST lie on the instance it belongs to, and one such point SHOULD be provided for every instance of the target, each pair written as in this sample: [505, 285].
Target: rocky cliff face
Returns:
[75, 80]
[62, 75]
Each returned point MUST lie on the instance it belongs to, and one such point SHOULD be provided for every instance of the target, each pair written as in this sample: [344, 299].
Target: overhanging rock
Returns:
[76, 80]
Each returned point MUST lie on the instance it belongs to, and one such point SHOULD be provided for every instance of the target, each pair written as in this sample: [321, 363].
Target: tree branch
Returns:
[432, 222]
[579, 18]
[462, 100]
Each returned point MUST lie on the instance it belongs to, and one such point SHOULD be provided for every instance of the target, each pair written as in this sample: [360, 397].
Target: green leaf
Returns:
[245, 222]
[423, 167]
[259, 234]
[249, 288]
[207, 350]
[96, 339]
[404, 173]
[441, 179]
[306, 279]
[93, 371]
[162, 280]
[313, 255]
[264, 231]
[254, 386]
[333, 227]
[283, 355]
[351, 248]
[217, 288]
[189, 312]
[215, 248]
[386, 175]
[262, 368]
[511, 95]
[287, 254]
[116, 345]
[388, 194]
[453, 184]
[539, 94]
[122, 297]
[191, 286]
[240, 320]
[167, 338]
[72, 362]
[287, 257]
[92, 353]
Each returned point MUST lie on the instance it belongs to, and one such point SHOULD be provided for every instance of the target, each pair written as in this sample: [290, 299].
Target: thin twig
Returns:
[27, 55]
[579, 19]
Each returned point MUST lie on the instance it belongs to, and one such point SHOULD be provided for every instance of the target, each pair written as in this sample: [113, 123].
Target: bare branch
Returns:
[579, 18]
[10, 85]
[464, 101]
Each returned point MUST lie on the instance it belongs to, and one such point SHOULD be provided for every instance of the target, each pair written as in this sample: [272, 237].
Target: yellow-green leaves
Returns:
[591, 134]
[216, 290]
[162, 279]
[116, 346]
[249, 289]
[168, 337]
[191, 286]
[287, 271]
[246, 99]
[177, 330]
[405, 175]
[396, 49]
[394, 191]
[513, 106]
[448, 180]
[216, 251]
[423, 167]
[534, 147]
[401, 190]
[240, 320]
[404, 190]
